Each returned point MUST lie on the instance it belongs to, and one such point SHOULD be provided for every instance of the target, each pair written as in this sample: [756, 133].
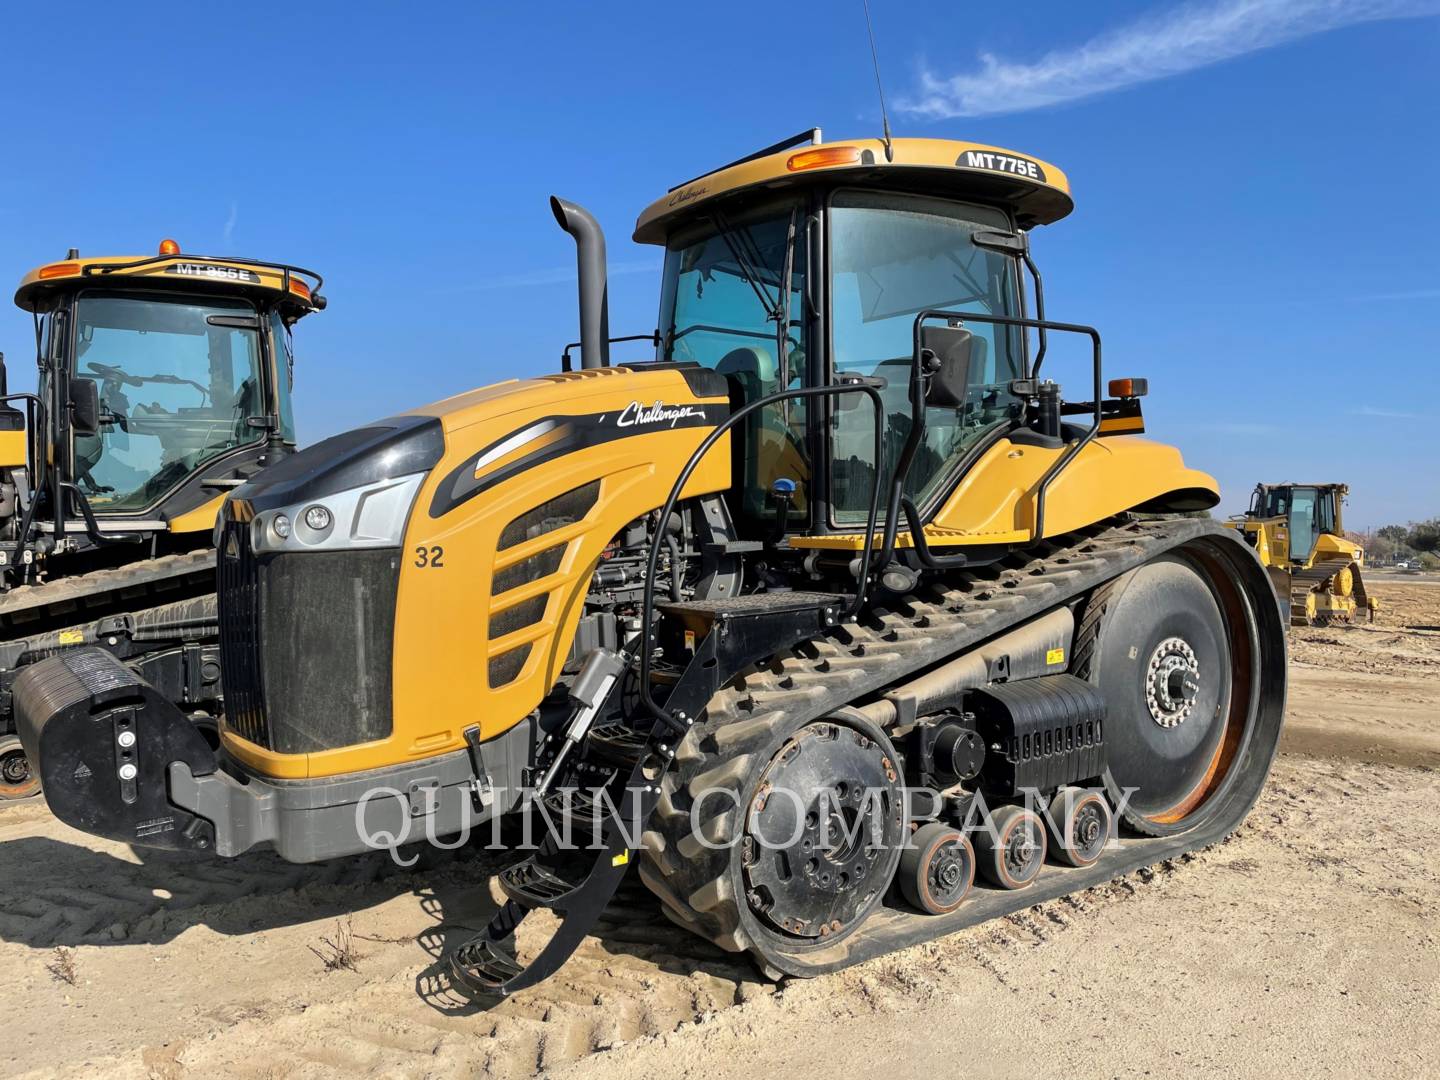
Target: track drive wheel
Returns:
[937, 868]
[1080, 826]
[1012, 849]
[781, 843]
[1171, 648]
[17, 779]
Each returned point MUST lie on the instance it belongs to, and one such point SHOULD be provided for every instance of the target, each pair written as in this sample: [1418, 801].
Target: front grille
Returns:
[239, 582]
[306, 643]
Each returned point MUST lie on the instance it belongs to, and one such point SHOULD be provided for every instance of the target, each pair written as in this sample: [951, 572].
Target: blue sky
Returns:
[1256, 180]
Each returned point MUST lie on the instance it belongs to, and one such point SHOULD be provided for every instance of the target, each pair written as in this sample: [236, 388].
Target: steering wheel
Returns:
[114, 374]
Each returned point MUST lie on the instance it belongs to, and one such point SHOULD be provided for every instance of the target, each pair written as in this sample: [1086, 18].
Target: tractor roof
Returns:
[172, 269]
[1036, 192]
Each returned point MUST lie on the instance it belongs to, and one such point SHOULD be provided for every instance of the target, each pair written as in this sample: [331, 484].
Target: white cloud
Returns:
[1384, 414]
[1178, 39]
[229, 231]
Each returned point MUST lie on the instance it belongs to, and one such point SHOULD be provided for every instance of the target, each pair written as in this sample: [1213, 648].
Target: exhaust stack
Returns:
[594, 291]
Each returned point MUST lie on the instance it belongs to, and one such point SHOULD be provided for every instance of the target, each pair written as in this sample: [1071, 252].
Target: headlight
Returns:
[370, 516]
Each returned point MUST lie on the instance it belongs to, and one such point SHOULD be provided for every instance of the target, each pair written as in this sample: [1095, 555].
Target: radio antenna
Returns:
[875, 59]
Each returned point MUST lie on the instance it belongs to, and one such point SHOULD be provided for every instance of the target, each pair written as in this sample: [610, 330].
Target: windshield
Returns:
[721, 307]
[893, 256]
[175, 392]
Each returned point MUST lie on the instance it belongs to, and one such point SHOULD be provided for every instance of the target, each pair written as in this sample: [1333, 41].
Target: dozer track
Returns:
[1303, 582]
[688, 868]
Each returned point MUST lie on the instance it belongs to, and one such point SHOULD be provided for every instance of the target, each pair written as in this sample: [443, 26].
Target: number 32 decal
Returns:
[430, 558]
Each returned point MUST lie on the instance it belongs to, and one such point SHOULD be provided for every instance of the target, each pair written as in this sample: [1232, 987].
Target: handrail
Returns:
[856, 386]
[566, 364]
[286, 270]
[917, 427]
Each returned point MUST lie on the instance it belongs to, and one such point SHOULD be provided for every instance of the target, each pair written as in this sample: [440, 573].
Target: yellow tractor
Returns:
[1297, 533]
[832, 602]
[164, 383]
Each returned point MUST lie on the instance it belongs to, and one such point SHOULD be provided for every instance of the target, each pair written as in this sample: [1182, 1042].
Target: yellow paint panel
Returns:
[14, 449]
[937, 157]
[443, 644]
[68, 272]
[995, 501]
[201, 519]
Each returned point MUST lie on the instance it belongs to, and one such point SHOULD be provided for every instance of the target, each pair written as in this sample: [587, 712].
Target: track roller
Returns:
[1012, 849]
[937, 868]
[1080, 826]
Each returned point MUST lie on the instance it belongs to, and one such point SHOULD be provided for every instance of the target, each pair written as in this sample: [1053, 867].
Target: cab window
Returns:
[176, 391]
[893, 256]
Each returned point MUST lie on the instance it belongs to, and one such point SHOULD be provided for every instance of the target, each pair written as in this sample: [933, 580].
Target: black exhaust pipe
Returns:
[594, 291]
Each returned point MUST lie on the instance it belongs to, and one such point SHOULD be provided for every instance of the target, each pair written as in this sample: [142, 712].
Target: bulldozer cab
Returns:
[822, 284]
[163, 382]
[1308, 510]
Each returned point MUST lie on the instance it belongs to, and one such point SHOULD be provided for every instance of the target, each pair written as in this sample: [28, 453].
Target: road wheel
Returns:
[1080, 826]
[937, 868]
[1012, 850]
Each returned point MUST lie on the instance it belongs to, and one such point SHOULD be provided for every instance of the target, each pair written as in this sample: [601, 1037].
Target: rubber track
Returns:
[150, 580]
[745, 718]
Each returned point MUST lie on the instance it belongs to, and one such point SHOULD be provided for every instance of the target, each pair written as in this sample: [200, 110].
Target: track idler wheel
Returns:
[17, 779]
[1170, 645]
[937, 868]
[1080, 826]
[823, 831]
[1012, 849]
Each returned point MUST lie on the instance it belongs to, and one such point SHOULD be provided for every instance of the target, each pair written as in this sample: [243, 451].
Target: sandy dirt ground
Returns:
[1308, 942]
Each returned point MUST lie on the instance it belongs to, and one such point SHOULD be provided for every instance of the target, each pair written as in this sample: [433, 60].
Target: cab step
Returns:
[540, 882]
[616, 745]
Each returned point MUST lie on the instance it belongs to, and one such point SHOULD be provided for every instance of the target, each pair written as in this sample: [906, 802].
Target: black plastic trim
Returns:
[398, 446]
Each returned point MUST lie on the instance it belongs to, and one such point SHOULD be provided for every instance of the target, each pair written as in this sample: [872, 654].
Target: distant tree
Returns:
[1396, 534]
[1379, 547]
[1425, 536]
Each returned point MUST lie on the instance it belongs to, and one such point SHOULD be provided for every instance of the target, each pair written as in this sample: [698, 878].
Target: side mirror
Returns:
[85, 406]
[944, 362]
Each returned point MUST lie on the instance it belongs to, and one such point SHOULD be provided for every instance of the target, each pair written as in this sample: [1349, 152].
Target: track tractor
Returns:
[164, 383]
[833, 603]
[1297, 533]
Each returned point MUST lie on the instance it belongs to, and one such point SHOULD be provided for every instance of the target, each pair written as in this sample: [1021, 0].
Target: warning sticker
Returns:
[1055, 656]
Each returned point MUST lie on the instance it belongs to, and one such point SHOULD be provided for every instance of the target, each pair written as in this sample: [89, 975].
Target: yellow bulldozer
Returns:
[832, 602]
[164, 384]
[1297, 532]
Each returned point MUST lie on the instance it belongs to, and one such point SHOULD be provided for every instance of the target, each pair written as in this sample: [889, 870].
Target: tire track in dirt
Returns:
[640, 976]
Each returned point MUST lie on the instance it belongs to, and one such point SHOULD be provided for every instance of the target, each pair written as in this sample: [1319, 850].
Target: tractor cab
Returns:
[164, 382]
[900, 266]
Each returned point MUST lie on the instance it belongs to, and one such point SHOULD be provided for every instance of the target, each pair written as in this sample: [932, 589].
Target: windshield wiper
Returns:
[781, 314]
